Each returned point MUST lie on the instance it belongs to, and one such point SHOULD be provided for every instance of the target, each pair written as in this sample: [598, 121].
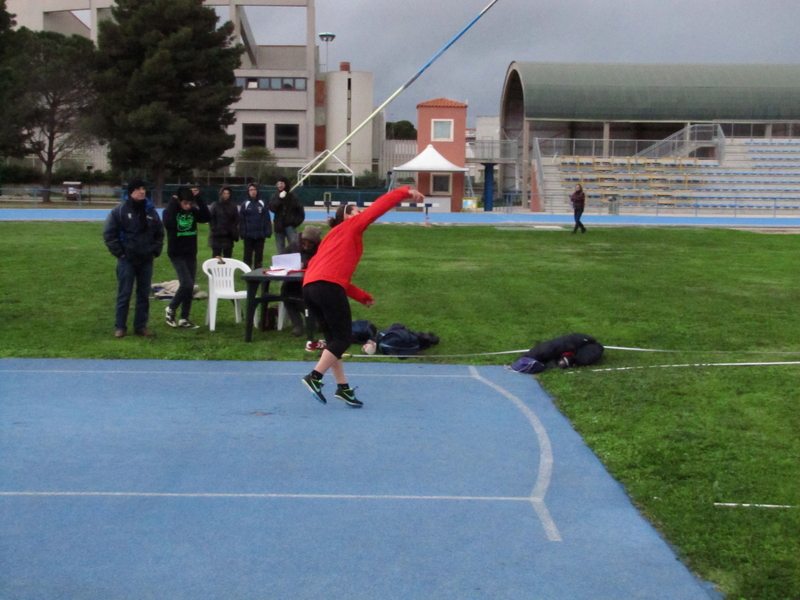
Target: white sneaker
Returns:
[187, 324]
[170, 317]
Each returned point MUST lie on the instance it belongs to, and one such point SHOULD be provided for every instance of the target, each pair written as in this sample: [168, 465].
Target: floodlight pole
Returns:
[327, 37]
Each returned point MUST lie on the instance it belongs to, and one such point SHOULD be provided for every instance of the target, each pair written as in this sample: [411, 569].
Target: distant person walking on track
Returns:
[289, 215]
[223, 230]
[578, 200]
[180, 220]
[255, 226]
[326, 287]
[134, 234]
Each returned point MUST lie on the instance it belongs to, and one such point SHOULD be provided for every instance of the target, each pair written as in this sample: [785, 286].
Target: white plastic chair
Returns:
[222, 286]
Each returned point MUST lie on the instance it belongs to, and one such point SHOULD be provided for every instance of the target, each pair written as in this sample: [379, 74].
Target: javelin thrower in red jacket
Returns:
[326, 287]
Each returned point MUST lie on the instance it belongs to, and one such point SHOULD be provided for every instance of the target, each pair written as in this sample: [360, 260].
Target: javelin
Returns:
[400, 90]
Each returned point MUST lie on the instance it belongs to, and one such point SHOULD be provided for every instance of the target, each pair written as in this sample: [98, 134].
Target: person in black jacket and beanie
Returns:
[133, 232]
[255, 226]
[180, 220]
[223, 230]
[289, 215]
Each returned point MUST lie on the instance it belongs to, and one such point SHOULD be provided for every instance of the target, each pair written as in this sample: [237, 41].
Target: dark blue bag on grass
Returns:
[527, 365]
[398, 341]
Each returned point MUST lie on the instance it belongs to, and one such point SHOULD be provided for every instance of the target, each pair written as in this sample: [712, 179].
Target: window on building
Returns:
[287, 136]
[441, 184]
[254, 134]
[252, 83]
[241, 82]
[442, 130]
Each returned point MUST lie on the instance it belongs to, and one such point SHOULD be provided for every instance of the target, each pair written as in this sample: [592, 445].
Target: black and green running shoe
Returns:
[315, 387]
[348, 395]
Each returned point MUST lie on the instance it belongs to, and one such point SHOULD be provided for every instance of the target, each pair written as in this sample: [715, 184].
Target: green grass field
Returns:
[679, 438]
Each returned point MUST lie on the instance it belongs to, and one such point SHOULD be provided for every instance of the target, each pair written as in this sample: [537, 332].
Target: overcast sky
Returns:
[394, 40]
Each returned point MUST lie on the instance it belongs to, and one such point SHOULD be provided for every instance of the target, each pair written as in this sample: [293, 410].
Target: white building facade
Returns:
[287, 105]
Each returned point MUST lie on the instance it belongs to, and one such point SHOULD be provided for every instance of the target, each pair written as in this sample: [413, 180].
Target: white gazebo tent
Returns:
[428, 161]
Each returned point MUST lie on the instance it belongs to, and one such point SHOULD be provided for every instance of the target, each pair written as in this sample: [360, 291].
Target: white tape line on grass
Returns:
[760, 364]
[545, 460]
[752, 505]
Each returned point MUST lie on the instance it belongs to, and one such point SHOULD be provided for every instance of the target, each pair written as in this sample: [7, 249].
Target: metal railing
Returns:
[496, 151]
[686, 141]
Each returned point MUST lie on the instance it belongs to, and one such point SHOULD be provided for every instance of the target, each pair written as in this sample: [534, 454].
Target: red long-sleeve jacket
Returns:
[338, 254]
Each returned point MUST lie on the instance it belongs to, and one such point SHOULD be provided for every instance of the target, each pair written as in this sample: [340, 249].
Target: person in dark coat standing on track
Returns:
[223, 229]
[578, 200]
[289, 215]
[255, 225]
[134, 233]
[327, 287]
[181, 217]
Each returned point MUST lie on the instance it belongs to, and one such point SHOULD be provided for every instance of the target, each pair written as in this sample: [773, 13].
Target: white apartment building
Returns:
[287, 105]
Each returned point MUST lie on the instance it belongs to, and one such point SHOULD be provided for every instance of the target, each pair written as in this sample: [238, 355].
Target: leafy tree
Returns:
[166, 83]
[12, 141]
[400, 130]
[55, 95]
[254, 162]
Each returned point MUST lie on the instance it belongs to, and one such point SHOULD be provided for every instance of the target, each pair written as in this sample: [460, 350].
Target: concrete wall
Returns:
[349, 102]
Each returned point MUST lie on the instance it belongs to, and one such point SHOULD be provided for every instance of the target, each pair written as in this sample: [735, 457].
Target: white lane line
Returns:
[217, 373]
[545, 459]
[311, 496]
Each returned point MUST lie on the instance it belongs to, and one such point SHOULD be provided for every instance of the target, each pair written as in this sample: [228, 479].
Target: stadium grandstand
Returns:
[674, 138]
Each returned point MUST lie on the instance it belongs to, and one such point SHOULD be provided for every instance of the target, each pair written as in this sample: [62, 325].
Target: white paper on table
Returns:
[286, 262]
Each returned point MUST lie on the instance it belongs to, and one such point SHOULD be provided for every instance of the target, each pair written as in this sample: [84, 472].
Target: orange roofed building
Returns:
[443, 124]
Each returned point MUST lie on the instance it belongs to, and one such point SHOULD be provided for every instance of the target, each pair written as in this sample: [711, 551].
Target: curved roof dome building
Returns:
[613, 102]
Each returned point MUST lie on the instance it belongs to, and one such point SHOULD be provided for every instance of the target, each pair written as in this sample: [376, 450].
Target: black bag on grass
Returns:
[363, 331]
[398, 341]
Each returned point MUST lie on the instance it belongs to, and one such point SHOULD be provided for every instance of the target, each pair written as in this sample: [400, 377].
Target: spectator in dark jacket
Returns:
[134, 233]
[180, 220]
[224, 225]
[289, 214]
[255, 226]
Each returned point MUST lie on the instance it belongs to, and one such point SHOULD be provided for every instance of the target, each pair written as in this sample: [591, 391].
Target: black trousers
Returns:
[578, 213]
[186, 270]
[329, 304]
[224, 252]
[254, 253]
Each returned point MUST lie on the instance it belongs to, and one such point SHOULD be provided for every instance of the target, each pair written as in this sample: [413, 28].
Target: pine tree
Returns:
[165, 84]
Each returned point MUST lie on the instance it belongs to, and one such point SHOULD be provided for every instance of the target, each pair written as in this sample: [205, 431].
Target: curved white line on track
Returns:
[545, 459]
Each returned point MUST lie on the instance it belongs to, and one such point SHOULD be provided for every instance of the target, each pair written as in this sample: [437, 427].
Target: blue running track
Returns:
[227, 480]
[479, 218]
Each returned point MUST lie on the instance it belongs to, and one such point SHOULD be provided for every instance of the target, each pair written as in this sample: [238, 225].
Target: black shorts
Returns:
[330, 306]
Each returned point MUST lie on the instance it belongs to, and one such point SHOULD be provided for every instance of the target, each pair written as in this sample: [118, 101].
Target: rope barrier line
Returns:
[524, 350]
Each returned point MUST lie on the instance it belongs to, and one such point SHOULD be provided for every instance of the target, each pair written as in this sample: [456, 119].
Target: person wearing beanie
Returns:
[181, 217]
[306, 245]
[223, 230]
[134, 234]
[289, 214]
[255, 225]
